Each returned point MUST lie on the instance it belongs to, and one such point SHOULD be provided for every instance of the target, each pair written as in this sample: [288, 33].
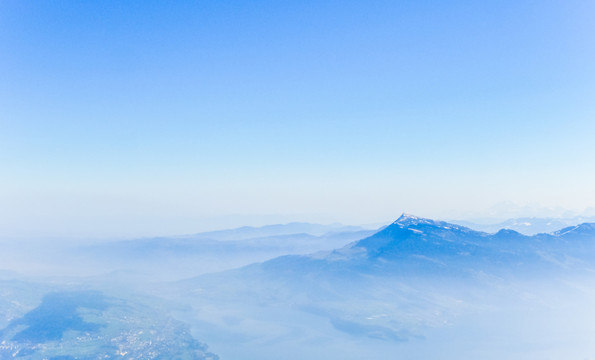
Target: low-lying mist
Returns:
[416, 289]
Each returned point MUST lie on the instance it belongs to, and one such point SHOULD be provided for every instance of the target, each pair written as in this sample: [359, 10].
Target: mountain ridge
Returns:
[413, 244]
[404, 282]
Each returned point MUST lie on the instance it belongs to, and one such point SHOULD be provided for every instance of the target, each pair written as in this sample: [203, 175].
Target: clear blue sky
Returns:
[144, 117]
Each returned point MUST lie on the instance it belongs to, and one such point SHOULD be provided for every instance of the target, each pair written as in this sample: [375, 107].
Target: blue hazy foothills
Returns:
[145, 118]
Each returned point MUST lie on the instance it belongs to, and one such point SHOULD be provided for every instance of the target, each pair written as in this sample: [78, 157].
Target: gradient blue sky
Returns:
[125, 118]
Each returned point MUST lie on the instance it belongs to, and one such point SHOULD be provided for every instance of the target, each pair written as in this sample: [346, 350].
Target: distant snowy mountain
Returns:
[405, 282]
[525, 225]
[417, 245]
[415, 289]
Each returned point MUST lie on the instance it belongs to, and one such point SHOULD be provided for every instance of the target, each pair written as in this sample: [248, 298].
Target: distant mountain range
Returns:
[250, 232]
[183, 256]
[415, 289]
[401, 283]
[525, 225]
[413, 245]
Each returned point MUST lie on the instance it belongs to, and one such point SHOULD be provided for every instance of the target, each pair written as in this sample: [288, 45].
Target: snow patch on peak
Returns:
[408, 219]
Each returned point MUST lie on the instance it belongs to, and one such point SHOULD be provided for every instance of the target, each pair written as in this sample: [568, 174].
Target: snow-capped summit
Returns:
[417, 244]
[411, 234]
[408, 219]
[411, 221]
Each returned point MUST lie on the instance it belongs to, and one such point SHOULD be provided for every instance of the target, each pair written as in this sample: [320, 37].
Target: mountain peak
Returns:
[584, 228]
[408, 219]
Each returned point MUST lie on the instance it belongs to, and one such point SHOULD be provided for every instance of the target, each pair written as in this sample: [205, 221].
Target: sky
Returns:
[139, 118]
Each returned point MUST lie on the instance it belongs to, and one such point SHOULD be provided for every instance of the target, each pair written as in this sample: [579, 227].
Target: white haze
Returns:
[243, 306]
